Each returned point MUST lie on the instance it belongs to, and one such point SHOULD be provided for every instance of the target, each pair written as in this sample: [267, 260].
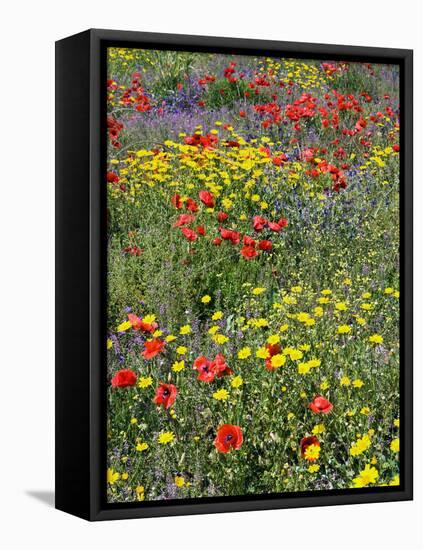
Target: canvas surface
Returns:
[253, 275]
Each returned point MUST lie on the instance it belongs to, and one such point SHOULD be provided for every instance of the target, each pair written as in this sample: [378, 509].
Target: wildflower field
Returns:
[253, 275]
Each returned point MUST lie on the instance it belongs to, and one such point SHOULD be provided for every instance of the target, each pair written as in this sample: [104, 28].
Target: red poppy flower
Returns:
[217, 241]
[176, 201]
[220, 367]
[396, 148]
[228, 436]
[283, 222]
[230, 235]
[265, 245]
[361, 124]
[138, 324]
[135, 321]
[166, 395]
[114, 127]
[152, 348]
[249, 241]
[205, 368]
[183, 219]
[269, 365]
[192, 140]
[242, 113]
[280, 159]
[132, 250]
[222, 216]
[232, 143]
[206, 198]
[192, 206]
[201, 230]
[225, 233]
[189, 234]
[306, 442]
[274, 226]
[124, 378]
[320, 405]
[248, 252]
[259, 223]
[235, 237]
[112, 177]
[273, 349]
[207, 141]
[308, 154]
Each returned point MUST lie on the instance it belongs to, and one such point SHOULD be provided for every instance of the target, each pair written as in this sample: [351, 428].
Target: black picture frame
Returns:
[81, 260]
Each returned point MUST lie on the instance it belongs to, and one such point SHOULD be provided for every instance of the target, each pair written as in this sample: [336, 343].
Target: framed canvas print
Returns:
[234, 274]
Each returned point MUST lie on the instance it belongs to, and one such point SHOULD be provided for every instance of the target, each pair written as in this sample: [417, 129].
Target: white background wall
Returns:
[28, 32]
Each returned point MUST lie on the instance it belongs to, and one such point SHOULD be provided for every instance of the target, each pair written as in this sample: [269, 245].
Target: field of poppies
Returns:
[253, 275]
